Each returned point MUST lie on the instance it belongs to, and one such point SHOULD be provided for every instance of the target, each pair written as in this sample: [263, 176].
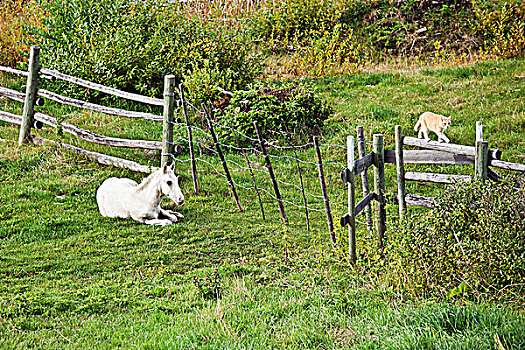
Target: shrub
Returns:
[474, 237]
[331, 53]
[503, 26]
[291, 108]
[131, 45]
[14, 15]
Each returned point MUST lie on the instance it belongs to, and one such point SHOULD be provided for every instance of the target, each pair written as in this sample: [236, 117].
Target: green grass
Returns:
[71, 279]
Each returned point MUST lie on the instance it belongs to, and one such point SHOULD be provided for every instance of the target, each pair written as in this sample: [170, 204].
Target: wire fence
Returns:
[265, 171]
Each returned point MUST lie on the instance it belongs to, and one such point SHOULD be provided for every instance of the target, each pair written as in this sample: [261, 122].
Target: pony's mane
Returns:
[147, 181]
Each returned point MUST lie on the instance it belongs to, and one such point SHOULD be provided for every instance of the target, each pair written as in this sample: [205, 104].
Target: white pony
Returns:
[124, 198]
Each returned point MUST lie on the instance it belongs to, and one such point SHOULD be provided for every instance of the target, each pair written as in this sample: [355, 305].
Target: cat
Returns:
[433, 122]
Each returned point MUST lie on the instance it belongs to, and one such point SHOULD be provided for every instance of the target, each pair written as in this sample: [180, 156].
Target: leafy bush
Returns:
[131, 45]
[332, 53]
[290, 108]
[14, 15]
[473, 239]
[503, 26]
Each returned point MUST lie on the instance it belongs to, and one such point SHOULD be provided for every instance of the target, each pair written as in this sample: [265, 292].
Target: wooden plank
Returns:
[379, 188]
[482, 160]
[363, 203]
[12, 94]
[168, 119]
[415, 200]
[448, 147]
[479, 131]
[507, 165]
[190, 144]
[14, 71]
[10, 118]
[24, 135]
[221, 156]
[361, 149]
[272, 175]
[437, 178]
[428, 157]
[102, 88]
[400, 172]
[322, 181]
[95, 107]
[352, 249]
[363, 164]
[95, 138]
[99, 157]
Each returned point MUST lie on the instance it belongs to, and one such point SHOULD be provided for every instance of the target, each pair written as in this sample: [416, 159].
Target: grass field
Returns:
[223, 279]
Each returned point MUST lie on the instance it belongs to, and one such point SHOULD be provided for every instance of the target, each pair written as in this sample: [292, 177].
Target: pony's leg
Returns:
[170, 214]
[158, 222]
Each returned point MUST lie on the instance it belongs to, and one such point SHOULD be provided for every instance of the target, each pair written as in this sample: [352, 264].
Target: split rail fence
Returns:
[35, 97]
[481, 156]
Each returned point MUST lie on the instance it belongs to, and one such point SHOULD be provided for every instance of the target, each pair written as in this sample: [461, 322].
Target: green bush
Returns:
[503, 26]
[472, 240]
[131, 45]
[290, 108]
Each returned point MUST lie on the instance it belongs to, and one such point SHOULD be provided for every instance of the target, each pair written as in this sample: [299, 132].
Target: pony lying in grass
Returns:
[124, 198]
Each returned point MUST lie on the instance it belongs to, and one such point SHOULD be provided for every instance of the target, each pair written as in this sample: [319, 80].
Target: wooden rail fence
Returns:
[35, 96]
[481, 156]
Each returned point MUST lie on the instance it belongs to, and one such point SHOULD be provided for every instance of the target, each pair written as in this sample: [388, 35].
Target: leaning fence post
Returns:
[190, 140]
[329, 219]
[253, 176]
[379, 188]
[361, 147]
[221, 156]
[400, 167]
[272, 175]
[168, 120]
[482, 160]
[302, 187]
[352, 250]
[29, 102]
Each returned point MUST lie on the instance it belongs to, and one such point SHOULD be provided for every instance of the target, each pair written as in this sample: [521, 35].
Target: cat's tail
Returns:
[418, 124]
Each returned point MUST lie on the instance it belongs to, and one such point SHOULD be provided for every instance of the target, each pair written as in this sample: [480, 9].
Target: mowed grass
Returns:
[224, 279]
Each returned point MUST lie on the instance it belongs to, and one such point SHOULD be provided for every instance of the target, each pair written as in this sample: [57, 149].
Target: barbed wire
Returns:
[208, 146]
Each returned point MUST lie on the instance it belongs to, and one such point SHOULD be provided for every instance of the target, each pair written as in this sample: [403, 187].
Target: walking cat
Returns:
[433, 122]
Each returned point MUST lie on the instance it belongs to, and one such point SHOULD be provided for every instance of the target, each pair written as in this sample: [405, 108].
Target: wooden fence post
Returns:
[361, 147]
[300, 172]
[479, 131]
[400, 167]
[30, 97]
[329, 218]
[221, 156]
[379, 188]
[352, 250]
[190, 140]
[272, 175]
[253, 176]
[168, 120]
[482, 160]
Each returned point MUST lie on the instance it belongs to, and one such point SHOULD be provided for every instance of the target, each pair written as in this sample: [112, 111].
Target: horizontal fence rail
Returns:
[95, 107]
[111, 91]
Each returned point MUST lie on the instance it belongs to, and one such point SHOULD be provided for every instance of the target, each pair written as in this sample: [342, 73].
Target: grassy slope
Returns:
[72, 279]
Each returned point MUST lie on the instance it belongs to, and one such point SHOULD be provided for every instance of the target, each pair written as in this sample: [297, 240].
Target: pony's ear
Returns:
[165, 168]
[172, 167]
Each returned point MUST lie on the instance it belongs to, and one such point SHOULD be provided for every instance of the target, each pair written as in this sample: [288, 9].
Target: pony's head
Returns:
[169, 184]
